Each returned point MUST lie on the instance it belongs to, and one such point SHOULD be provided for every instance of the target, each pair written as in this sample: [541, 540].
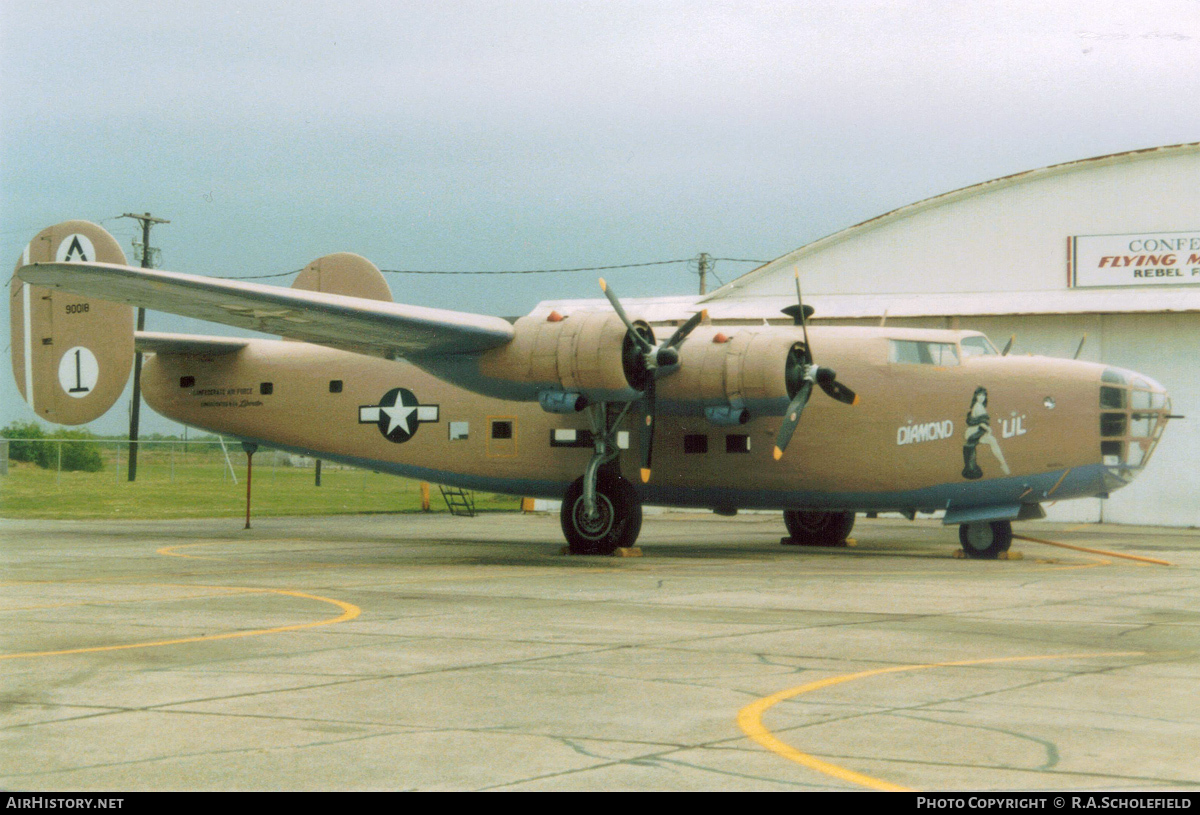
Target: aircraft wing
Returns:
[195, 345]
[368, 326]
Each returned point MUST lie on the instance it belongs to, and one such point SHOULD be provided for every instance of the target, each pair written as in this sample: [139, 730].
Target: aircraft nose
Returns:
[1134, 411]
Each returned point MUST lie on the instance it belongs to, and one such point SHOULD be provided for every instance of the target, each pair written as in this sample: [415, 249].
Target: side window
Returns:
[920, 352]
[737, 443]
[501, 436]
[977, 347]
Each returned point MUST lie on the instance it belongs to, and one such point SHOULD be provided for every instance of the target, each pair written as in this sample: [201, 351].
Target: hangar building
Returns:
[1108, 247]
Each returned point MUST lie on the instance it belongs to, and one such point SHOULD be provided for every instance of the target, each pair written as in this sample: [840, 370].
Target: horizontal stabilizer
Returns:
[352, 323]
[154, 342]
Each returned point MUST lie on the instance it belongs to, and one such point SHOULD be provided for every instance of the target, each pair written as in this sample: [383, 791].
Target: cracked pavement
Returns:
[203, 656]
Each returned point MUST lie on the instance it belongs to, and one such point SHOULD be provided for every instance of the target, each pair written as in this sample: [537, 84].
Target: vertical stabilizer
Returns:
[344, 273]
[71, 354]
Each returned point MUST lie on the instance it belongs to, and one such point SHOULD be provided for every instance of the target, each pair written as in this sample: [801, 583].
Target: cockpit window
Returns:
[919, 352]
[977, 347]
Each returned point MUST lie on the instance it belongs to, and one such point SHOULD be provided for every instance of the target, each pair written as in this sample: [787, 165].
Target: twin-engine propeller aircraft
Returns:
[590, 407]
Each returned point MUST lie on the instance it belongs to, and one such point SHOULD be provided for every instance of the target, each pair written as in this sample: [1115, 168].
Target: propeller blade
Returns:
[808, 357]
[681, 333]
[792, 418]
[840, 393]
[648, 432]
[1079, 350]
[836, 389]
[1008, 345]
[642, 342]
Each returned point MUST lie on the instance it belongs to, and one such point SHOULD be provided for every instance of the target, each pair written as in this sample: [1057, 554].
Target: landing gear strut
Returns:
[817, 528]
[601, 511]
[985, 540]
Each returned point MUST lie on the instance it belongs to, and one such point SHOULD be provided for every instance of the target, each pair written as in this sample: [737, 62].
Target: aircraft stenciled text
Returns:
[222, 391]
[228, 402]
[1014, 426]
[930, 431]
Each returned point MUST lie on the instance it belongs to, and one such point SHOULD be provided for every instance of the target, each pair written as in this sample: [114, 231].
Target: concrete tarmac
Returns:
[438, 653]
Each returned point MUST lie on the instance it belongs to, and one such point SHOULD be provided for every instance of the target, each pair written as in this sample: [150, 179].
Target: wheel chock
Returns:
[620, 551]
[790, 541]
[1009, 555]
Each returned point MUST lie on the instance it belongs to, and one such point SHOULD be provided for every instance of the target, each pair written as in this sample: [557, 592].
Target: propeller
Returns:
[645, 363]
[801, 373]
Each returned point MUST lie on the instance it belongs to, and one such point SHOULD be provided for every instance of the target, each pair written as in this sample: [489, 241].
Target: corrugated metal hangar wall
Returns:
[1107, 247]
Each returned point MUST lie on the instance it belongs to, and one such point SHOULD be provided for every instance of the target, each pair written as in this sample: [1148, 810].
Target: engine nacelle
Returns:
[728, 379]
[566, 363]
[583, 354]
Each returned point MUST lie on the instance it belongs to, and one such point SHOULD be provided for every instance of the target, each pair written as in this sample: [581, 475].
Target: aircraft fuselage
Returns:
[973, 431]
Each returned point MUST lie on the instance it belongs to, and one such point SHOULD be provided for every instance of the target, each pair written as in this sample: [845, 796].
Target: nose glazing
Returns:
[1134, 411]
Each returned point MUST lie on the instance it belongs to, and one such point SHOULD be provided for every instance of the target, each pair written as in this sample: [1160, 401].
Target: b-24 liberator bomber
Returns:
[595, 406]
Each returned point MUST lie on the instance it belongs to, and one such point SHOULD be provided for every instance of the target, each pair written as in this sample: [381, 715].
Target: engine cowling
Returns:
[584, 354]
[752, 371]
[731, 377]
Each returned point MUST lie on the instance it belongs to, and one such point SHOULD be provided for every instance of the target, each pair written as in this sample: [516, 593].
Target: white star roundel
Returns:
[398, 415]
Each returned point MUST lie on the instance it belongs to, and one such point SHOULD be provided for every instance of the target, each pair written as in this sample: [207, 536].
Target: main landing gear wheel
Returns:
[985, 540]
[817, 528]
[618, 516]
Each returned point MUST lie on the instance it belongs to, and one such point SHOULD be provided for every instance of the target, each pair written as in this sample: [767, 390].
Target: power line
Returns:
[505, 271]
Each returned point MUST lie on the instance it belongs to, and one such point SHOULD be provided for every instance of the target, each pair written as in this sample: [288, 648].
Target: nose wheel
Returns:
[985, 540]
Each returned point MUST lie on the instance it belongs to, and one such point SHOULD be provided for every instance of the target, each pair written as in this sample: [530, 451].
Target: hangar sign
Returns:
[1139, 259]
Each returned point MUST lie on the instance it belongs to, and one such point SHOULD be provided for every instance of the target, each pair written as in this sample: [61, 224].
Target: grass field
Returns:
[198, 484]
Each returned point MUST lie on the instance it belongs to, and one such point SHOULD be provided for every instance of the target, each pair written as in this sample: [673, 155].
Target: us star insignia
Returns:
[398, 415]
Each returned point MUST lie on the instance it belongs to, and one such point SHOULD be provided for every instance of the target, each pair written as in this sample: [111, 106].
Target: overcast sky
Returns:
[529, 135]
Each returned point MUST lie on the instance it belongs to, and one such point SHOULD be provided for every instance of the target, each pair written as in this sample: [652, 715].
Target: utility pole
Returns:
[704, 264]
[147, 221]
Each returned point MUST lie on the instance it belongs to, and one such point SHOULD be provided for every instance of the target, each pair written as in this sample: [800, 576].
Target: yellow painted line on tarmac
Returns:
[169, 551]
[349, 612]
[749, 718]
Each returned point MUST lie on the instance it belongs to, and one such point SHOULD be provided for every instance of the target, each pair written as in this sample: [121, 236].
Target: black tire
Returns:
[985, 540]
[619, 521]
[817, 528]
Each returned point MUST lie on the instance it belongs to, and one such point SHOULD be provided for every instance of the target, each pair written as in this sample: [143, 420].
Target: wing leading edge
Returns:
[354, 323]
